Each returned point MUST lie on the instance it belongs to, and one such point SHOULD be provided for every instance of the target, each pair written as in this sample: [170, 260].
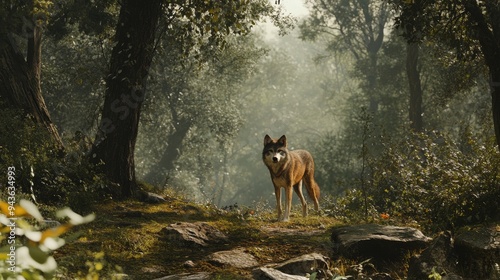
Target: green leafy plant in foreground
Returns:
[27, 254]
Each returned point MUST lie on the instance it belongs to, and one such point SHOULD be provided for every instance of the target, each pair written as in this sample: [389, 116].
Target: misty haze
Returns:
[109, 106]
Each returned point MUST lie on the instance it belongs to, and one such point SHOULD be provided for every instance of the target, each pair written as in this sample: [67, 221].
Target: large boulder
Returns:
[438, 258]
[472, 254]
[236, 258]
[198, 234]
[376, 241]
[478, 252]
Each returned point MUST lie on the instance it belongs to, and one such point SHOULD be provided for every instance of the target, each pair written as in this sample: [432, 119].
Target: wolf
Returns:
[289, 169]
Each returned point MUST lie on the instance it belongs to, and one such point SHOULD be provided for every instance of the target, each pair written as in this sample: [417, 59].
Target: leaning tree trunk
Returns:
[130, 62]
[416, 122]
[171, 153]
[20, 81]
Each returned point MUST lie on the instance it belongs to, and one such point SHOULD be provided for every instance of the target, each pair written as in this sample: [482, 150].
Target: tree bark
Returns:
[115, 141]
[34, 56]
[171, 153]
[415, 114]
[20, 81]
[489, 41]
[372, 78]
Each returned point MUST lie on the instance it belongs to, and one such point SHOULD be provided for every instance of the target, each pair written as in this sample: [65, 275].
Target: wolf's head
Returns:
[275, 150]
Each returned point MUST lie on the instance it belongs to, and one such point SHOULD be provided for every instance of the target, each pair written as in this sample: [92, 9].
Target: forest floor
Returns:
[126, 239]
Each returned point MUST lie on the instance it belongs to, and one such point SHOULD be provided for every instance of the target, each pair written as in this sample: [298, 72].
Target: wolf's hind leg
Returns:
[298, 190]
[312, 189]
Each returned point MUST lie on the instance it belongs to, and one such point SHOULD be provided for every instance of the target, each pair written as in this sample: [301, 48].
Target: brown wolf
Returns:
[289, 169]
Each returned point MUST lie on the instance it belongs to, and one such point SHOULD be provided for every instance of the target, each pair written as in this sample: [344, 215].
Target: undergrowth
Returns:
[130, 233]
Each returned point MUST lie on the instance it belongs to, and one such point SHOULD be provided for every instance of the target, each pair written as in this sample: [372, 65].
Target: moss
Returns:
[129, 234]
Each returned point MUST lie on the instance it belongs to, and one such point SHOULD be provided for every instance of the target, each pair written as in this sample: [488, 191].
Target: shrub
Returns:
[45, 173]
[440, 184]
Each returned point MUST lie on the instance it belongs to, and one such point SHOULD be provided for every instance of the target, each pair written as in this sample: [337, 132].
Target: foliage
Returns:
[193, 107]
[430, 179]
[442, 22]
[72, 79]
[41, 171]
[355, 27]
[32, 260]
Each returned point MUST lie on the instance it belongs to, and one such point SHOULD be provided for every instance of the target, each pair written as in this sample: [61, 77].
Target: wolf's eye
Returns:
[282, 153]
[269, 151]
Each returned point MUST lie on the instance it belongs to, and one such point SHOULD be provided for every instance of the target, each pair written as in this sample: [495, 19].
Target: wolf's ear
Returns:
[282, 140]
[267, 139]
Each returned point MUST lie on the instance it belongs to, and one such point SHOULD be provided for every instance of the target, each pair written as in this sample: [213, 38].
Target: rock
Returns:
[189, 264]
[362, 270]
[152, 198]
[187, 276]
[437, 258]
[472, 254]
[478, 252]
[236, 258]
[296, 268]
[198, 234]
[382, 276]
[268, 273]
[304, 264]
[376, 241]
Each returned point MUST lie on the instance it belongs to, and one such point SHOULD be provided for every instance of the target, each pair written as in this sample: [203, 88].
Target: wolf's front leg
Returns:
[288, 203]
[277, 193]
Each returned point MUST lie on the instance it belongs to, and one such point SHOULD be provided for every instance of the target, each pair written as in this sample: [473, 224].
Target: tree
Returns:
[130, 61]
[355, 26]
[20, 77]
[471, 28]
[415, 87]
[206, 22]
[193, 97]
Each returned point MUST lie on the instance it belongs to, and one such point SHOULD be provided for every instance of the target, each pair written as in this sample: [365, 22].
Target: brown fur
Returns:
[289, 169]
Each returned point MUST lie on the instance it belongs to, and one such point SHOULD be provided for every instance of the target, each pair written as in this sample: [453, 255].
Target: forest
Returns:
[109, 101]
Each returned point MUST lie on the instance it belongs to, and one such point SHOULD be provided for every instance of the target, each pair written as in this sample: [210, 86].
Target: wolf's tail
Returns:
[313, 191]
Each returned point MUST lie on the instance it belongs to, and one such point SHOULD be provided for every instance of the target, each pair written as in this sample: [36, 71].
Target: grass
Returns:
[127, 239]
[129, 233]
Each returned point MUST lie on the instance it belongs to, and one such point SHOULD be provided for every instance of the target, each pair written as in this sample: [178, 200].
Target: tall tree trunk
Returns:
[415, 114]
[372, 78]
[495, 93]
[34, 56]
[225, 178]
[126, 84]
[20, 80]
[171, 153]
[489, 39]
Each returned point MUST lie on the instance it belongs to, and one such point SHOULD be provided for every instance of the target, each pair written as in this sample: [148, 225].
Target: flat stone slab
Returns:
[377, 241]
[236, 258]
[187, 276]
[269, 273]
[198, 234]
